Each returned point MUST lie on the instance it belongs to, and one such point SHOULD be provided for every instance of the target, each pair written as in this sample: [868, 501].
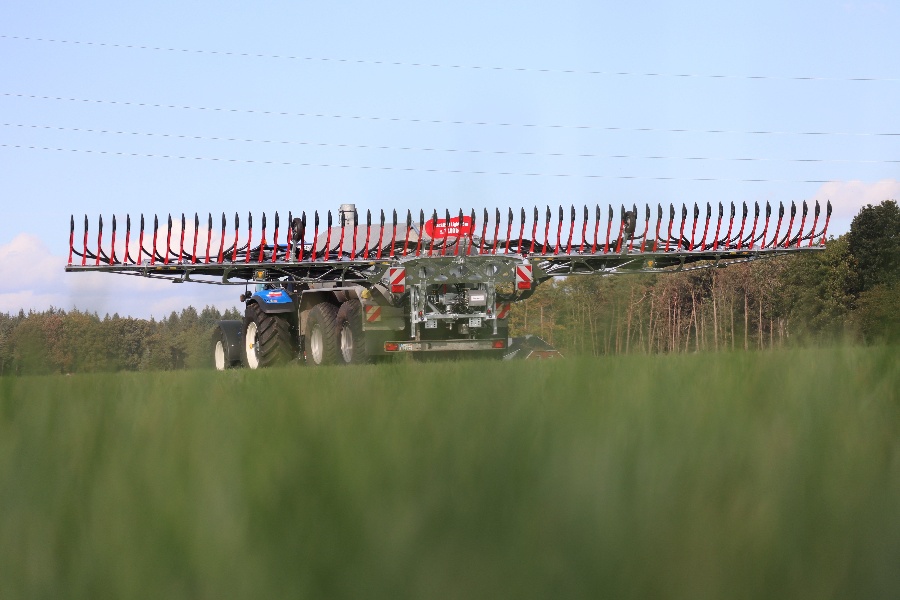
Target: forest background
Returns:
[848, 293]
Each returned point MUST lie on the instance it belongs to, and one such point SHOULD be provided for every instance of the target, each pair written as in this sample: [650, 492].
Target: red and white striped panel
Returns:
[524, 277]
[397, 278]
[502, 309]
[373, 313]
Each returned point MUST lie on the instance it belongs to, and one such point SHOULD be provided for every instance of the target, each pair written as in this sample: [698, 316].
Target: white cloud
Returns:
[847, 197]
[31, 278]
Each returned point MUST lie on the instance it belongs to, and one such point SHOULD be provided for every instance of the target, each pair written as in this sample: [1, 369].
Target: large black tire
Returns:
[220, 352]
[351, 337]
[322, 335]
[267, 339]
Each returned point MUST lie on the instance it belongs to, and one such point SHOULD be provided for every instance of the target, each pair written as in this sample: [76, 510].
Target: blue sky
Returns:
[542, 78]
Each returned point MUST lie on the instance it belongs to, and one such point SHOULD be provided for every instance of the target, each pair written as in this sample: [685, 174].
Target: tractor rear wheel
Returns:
[321, 335]
[267, 339]
[351, 337]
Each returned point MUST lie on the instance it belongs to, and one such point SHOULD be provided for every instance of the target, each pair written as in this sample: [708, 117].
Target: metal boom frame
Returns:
[436, 250]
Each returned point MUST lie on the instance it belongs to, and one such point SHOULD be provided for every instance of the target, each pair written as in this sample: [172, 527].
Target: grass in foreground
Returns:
[705, 476]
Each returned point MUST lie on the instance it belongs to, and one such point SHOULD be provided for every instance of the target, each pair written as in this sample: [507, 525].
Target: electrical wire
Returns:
[437, 121]
[448, 150]
[407, 169]
[444, 66]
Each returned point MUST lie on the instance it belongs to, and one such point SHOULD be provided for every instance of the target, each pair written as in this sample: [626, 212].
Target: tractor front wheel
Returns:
[220, 353]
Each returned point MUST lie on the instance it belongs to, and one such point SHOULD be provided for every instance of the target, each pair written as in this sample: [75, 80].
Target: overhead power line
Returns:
[403, 169]
[443, 66]
[439, 121]
[448, 150]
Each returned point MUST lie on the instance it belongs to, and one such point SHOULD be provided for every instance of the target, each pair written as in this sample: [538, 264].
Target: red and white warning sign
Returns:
[373, 313]
[502, 309]
[397, 278]
[455, 227]
[524, 277]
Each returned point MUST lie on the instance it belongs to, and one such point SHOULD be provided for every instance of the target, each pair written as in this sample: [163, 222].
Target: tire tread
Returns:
[325, 314]
[273, 335]
[351, 313]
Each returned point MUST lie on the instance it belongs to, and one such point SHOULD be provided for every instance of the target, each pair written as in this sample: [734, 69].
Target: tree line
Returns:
[57, 341]
[848, 292]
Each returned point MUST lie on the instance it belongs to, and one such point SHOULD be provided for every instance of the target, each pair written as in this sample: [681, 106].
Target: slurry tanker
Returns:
[335, 290]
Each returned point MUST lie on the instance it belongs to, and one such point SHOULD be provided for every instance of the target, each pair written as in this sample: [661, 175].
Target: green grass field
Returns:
[750, 475]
